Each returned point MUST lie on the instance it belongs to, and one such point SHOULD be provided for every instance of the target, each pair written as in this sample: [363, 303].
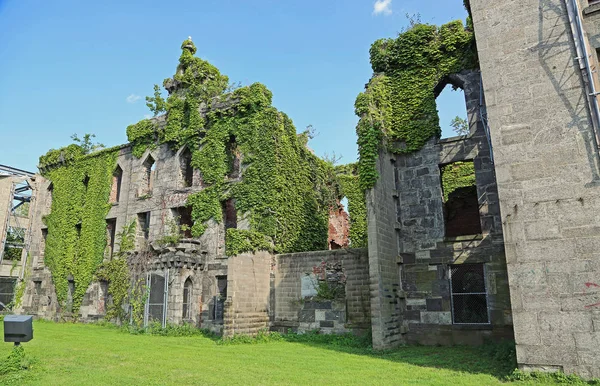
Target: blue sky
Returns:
[79, 66]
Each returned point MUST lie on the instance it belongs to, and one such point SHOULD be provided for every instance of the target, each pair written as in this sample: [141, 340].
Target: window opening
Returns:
[15, 242]
[469, 295]
[111, 227]
[219, 300]
[144, 225]
[157, 300]
[183, 215]
[149, 174]
[7, 291]
[187, 299]
[115, 192]
[187, 171]
[461, 205]
[229, 213]
[233, 158]
[452, 110]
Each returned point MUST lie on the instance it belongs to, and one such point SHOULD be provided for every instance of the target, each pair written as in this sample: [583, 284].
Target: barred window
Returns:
[469, 295]
[7, 291]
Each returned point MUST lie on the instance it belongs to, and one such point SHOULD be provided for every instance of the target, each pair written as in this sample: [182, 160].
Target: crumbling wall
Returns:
[548, 179]
[295, 302]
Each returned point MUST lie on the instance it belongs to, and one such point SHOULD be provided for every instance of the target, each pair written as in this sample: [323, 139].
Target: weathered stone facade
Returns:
[410, 253]
[546, 163]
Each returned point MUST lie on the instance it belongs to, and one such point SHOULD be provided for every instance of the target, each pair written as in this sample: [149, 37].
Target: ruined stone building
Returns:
[220, 214]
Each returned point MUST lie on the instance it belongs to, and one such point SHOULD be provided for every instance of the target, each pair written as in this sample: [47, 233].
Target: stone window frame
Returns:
[147, 176]
[187, 303]
[186, 170]
[457, 82]
[118, 180]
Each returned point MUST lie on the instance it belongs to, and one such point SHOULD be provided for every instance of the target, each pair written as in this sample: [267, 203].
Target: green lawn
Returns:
[76, 354]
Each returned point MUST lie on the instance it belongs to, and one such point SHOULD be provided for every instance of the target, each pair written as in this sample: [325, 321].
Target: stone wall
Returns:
[294, 285]
[547, 169]
[408, 201]
[248, 294]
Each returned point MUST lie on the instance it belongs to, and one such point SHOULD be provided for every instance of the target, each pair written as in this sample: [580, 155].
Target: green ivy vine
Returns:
[398, 108]
[347, 176]
[457, 175]
[76, 225]
[286, 191]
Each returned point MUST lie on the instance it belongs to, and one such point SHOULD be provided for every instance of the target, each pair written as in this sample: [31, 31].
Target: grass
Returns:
[77, 354]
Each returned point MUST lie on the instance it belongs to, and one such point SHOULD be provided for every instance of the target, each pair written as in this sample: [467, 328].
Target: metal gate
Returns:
[158, 295]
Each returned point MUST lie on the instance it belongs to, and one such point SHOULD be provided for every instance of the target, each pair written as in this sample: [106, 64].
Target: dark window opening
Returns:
[144, 224]
[111, 228]
[229, 213]
[187, 299]
[78, 230]
[86, 181]
[14, 244]
[148, 177]
[233, 158]
[37, 287]
[156, 300]
[461, 205]
[70, 294]
[187, 171]
[115, 192]
[7, 291]
[469, 295]
[43, 243]
[219, 300]
[183, 215]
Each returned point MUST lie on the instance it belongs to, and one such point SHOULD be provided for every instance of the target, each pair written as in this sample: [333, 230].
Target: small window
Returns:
[37, 287]
[7, 291]
[144, 224]
[469, 295]
[229, 213]
[461, 205]
[148, 176]
[233, 158]
[219, 300]
[115, 192]
[156, 298]
[183, 215]
[111, 227]
[78, 230]
[187, 299]
[15, 242]
[43, 242]
[86, 181]
[186, 169]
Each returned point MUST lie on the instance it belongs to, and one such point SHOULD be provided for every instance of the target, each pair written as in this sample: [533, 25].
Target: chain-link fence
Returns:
[469, 296]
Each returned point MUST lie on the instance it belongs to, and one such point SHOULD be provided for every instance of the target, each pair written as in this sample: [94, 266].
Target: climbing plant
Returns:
[76, 225]
[457, 175]
[347, 176]
[116, 272]
[398, 109]
[286, 191]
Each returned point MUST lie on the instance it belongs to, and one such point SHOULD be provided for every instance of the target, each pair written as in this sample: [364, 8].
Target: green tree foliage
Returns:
[460, 125]
[86, 143]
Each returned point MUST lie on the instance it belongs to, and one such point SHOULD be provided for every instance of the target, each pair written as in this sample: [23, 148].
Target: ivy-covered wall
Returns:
[398, 108]
[76, 237]
[285, 191]
[347, 177]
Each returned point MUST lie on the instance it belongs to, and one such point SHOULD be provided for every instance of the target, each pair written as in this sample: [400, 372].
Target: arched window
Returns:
[187, 299]
[186, 169]
[115, 192]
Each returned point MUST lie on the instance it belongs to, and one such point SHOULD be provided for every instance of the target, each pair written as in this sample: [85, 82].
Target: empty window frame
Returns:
[144, 225]
[111, 227]
[461, 205]
[188, 289]
[156, 306]
[229, 213]
[7, 291]
[233, 158]
[469, 294]
[115, 192]
[183, 216]
[15, 242]
[148, 176]
[187, 171]
[219, 300]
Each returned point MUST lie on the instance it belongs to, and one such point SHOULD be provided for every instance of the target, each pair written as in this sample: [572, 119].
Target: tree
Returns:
[86, 143]
[460, 125]
[156, 103]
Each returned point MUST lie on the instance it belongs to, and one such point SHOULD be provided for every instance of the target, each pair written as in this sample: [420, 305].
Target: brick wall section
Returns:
[386, 307]
[546, 165]
[289, 270]
[248, 294]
